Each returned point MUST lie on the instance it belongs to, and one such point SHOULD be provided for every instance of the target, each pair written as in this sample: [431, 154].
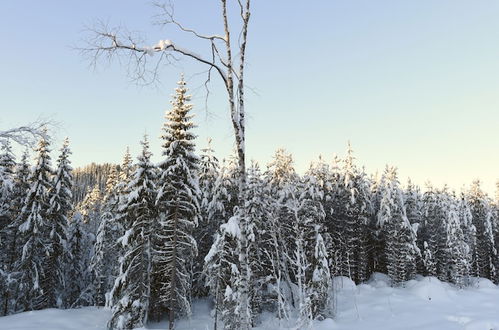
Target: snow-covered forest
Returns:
[149, 242]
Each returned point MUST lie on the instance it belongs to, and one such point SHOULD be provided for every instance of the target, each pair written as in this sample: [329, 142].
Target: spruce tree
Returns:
[132, 289]
[89, 221]
[259, 248]
[7, 166]
[399, 238]
[457, 251]
[77, 275]
[212, 208]
[485, 258]
[429, 231]
[414, 210]
[351, 212]
[279, 176]
[224, 275]
[308, 263]
[104, 264]
[320, 278]
[326, 178]
[35, 234]
[178, 208]
[7, 215]
[10, 234]
[60, 200]
[468, 228]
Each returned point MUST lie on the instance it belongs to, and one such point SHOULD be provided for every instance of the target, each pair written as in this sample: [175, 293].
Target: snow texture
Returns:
[423, 303]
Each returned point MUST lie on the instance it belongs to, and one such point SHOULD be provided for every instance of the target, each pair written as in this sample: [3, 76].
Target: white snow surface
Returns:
[424, 303]
[58, 319]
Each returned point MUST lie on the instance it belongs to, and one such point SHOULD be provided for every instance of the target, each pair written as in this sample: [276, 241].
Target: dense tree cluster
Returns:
[145, 239]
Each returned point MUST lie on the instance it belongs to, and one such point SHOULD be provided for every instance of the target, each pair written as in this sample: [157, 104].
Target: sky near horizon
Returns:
[414, 84]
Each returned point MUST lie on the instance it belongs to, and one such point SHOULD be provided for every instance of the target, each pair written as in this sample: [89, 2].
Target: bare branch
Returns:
[168, 12]
[109, 43]
[29, 134]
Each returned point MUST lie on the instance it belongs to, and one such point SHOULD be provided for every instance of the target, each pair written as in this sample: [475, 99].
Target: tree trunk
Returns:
[171, 314]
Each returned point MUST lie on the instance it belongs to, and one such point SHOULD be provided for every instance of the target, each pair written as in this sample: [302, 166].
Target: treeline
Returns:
[87, 177]
[156, 236]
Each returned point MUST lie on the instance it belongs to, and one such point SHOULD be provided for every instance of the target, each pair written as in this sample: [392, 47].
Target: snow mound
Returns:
[343, 283]
[482, 325]
[58, 319]
[429, 288]
[482, 283]
[379, 280]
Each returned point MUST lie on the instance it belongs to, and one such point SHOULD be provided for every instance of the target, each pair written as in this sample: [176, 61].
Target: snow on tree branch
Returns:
[27, 135]
[108, 43]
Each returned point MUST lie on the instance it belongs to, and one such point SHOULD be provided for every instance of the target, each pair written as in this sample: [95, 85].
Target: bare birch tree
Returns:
[225, 57]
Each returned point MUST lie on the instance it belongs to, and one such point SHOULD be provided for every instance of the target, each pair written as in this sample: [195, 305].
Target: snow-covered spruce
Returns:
[104, 264]
[178, 208]
[60, 207]
[132, 288]
[398, 236]
[31, 263]
[10, 203]
[485, 261]
[212, 212]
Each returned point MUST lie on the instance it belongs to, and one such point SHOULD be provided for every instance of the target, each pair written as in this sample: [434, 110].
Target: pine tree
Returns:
[178, 207]
[132, 288]
[35, 234]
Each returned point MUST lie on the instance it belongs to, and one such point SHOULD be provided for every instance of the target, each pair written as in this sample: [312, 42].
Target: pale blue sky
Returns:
[410, 83]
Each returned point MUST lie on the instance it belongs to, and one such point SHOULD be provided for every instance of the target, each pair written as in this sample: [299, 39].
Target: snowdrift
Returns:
[423, 303]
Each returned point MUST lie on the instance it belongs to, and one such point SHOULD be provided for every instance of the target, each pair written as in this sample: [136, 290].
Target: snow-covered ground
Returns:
[424, 303]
